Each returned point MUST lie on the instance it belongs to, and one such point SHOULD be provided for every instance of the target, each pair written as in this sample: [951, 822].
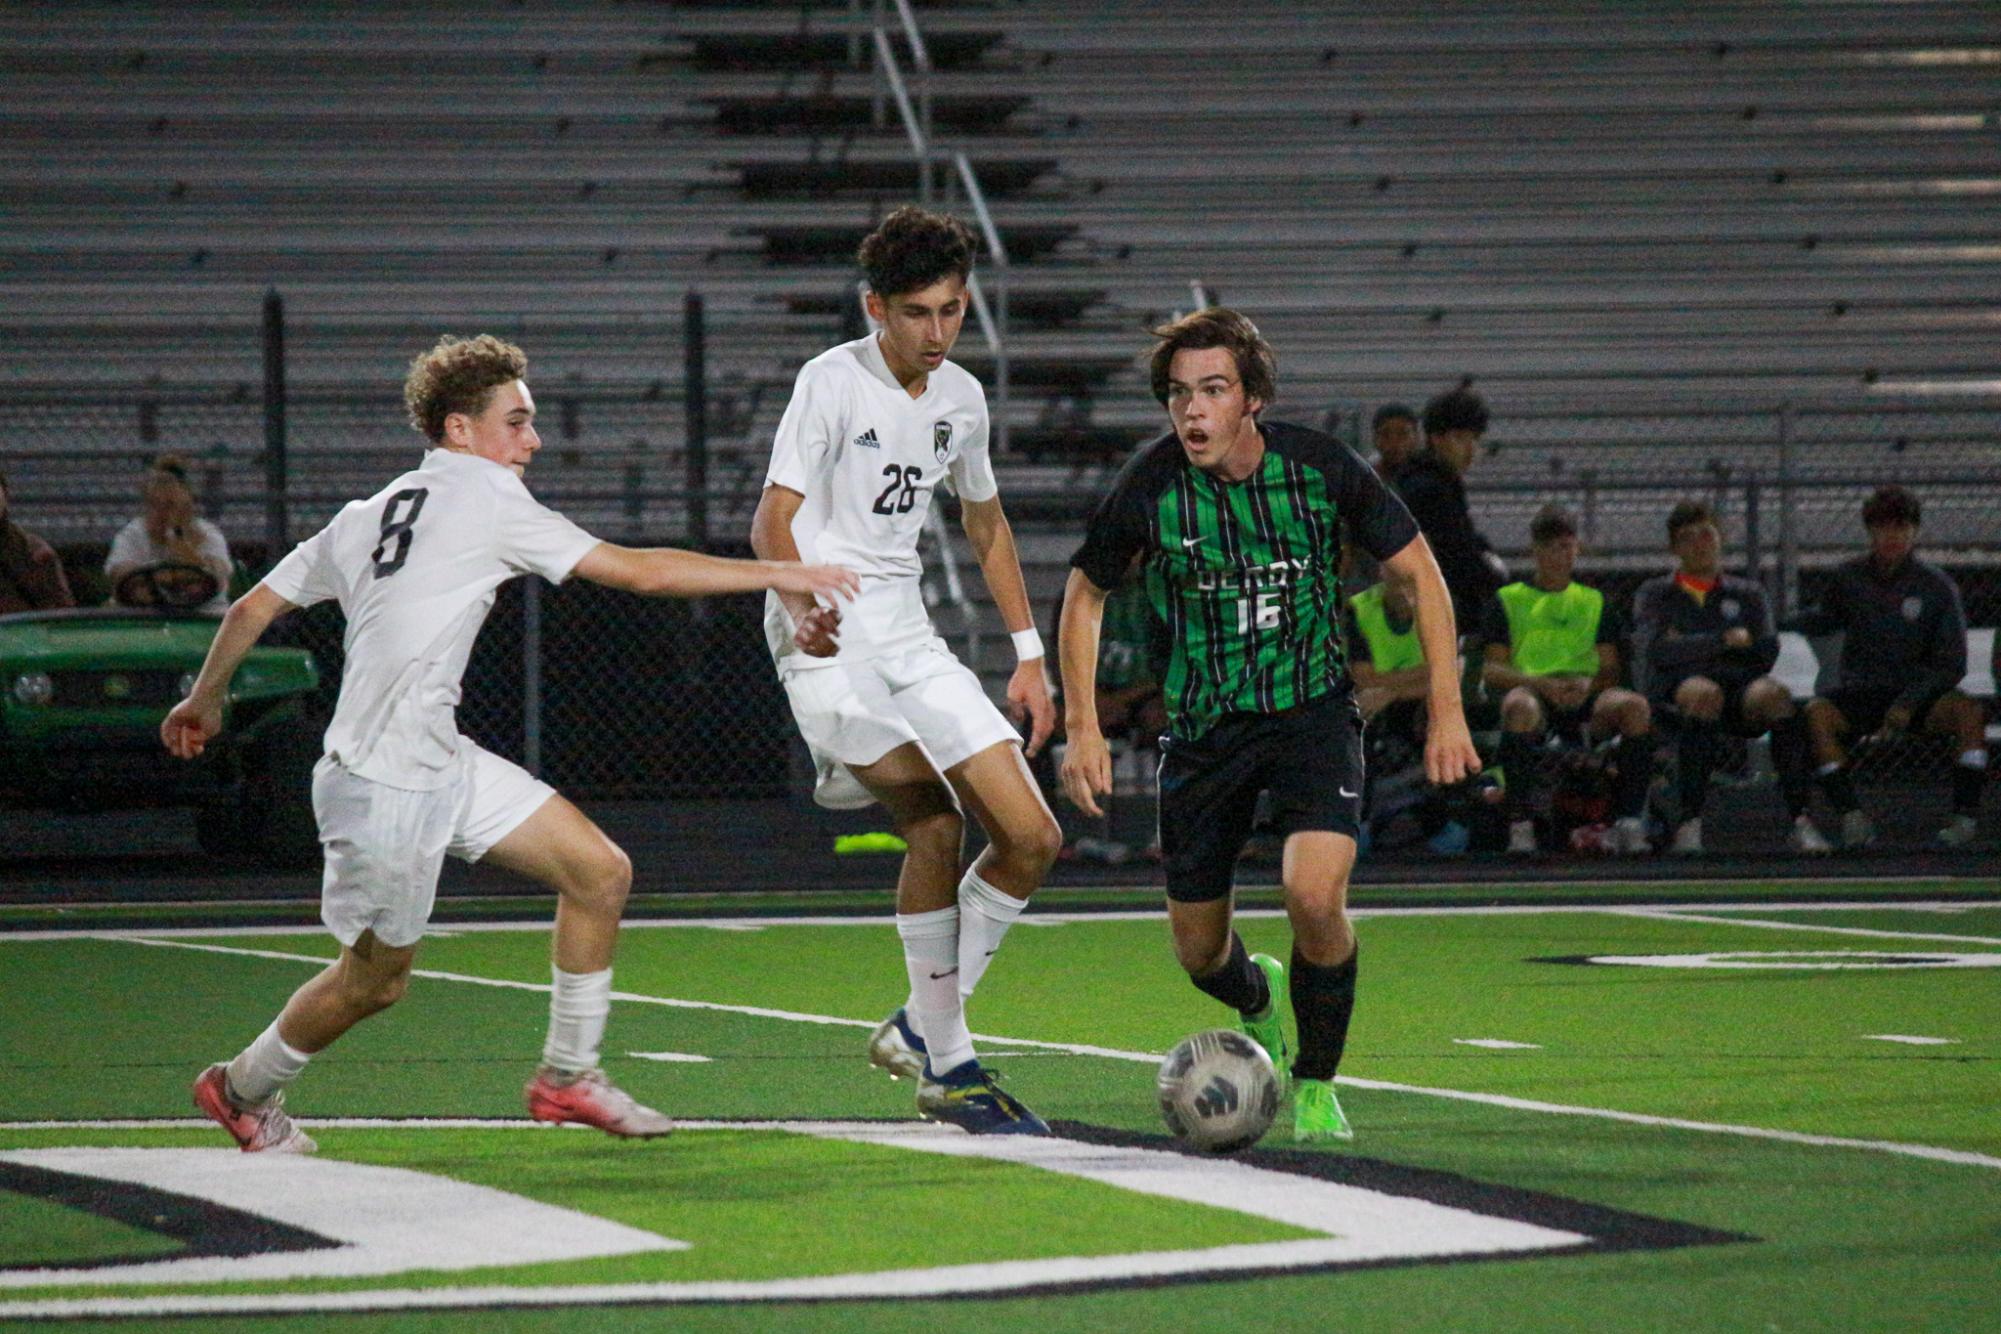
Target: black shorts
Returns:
[1308, 758]
[1864, 709]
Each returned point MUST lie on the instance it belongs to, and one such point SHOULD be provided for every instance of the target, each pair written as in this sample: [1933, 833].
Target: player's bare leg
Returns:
[949, 932]
[560, 847]
[1214, 957]
[926, 816]
[246, 1097]
[1315, 874]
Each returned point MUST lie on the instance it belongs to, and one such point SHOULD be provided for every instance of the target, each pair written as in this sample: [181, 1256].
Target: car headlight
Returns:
[34, 688]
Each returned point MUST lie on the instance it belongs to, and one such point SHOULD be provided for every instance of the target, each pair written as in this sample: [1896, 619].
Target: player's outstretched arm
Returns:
[196, 720]
[1087, 764]
[671, 572]
[1448, 749]
[1028, 691]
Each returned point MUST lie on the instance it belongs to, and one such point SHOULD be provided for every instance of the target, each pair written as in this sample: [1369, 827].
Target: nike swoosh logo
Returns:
[1350, 795]
[947, 973]
[1191, 541]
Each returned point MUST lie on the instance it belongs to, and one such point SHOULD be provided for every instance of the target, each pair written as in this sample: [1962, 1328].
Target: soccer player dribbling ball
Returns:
[415, 567]
[1236, 524]
[873, 428]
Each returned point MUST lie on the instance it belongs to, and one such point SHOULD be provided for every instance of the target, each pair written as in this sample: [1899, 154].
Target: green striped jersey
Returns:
[1247, 575]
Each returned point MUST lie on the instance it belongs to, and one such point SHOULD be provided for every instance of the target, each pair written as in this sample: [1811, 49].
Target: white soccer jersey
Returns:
[866, 457]
[415, 568]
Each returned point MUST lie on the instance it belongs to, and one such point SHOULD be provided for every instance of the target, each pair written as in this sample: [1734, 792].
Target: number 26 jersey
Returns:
[866, 457]
[416, 567]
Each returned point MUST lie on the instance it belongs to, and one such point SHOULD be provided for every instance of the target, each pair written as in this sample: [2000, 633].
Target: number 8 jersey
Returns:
[415, 567]
[866, 456]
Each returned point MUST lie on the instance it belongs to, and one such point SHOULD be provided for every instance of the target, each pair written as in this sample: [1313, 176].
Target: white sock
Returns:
[985, 914]
[931, 957]
[1974, 759]
[264, 1067]
[579, 1005]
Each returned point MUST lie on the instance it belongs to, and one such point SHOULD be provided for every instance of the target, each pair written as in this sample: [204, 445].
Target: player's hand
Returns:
[817, 634]
[1736, 637]
[1372, 700]
[830, 581]
[1087, 770]
[1449, 756]
[1029, 696]
[187, 729]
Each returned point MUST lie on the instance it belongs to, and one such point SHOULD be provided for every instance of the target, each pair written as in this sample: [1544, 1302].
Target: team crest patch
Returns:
[941, 439]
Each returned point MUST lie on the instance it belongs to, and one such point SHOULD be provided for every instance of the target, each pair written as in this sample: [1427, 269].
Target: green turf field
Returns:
[1713, 1116]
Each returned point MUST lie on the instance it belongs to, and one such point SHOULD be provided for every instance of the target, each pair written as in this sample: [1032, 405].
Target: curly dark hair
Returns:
[459, 375]
[913, 248]
[1686, 515]
[1550, 523]
[1456, 410]
[1218, 326]
[1891, 504]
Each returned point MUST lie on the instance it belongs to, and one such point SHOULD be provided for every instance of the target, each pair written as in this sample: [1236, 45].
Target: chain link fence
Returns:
[610, 695]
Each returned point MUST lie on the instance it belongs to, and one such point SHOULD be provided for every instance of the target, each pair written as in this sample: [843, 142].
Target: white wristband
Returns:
[1027, 644]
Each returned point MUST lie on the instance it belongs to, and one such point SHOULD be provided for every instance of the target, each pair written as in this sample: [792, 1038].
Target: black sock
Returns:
[1323, 999]
[1967, 783]
[1695, 760]
[1840, 792]
[1521, 760]
[1789, 757]
[1238, 983]
[1636, 775]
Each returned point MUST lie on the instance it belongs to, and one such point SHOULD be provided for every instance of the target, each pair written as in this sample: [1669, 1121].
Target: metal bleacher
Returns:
[1649, 235]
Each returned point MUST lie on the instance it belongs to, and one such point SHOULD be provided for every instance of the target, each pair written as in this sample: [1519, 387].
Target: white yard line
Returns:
[885, 920]
[1677, 915]
[1963, 1157]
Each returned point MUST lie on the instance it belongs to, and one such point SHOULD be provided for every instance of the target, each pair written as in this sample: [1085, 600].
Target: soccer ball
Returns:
[1218, 1091]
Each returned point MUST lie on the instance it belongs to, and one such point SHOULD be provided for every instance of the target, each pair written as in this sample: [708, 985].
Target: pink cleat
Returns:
[590, 1099]
[262, 1129]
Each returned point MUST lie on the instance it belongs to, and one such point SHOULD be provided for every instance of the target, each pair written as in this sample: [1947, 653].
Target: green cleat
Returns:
[1316, 1112]
[1266, 1029]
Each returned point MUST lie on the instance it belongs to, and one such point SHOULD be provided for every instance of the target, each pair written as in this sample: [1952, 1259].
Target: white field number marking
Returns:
[388, 1220]
[1811, 960]
[1354, 1225]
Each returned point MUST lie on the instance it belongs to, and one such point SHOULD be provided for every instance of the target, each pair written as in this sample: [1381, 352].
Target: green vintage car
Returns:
[82, 695]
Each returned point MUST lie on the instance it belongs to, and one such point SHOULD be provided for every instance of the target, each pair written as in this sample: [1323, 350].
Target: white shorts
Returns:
[857, 712]
[385, 845]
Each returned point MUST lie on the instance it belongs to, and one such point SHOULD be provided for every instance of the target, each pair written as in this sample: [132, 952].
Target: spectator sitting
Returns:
[1552, 645]
[168, 532]
[1433, 486]
[1903, 653]
[31, 577]
[1394, 429]
[1703, 645]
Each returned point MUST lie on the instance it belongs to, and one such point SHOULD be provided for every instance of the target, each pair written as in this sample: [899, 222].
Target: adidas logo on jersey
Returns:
[867, 440]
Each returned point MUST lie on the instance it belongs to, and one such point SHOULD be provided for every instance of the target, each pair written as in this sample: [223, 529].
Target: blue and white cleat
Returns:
[895, 1047]
[971, 1098]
